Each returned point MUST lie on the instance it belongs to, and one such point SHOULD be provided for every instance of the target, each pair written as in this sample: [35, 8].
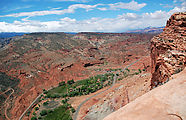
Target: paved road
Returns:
[114, 81]
[20, 118]
[7, 104]
[6, 91]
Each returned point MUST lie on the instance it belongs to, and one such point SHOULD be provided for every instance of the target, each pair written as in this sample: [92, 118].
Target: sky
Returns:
[85, 15]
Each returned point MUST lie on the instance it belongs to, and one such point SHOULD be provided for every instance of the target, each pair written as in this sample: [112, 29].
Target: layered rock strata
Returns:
[168, 50]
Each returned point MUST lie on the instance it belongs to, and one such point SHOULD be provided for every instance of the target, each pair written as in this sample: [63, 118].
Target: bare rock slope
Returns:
[166, 102]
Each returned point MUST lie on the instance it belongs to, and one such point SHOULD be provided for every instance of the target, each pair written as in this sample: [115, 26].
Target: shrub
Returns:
[48, 95]
[50, 111]
[62, 83]
[45, 103]
[128, 70]
[139, 70]
[34, 118]
[34, 113]
[45, 92]
[178, 70]
[28, 113]
[70, 82]
[66, 105]
[36, 108]
[136, 73]
[64, 101]
[43, 112]
[39, 117]
[181, 63]
[73, 110]
[118, 79]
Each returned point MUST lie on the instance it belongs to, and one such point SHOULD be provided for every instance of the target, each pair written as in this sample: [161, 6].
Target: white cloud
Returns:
[70, 9]
[102, 9]
[17, 8]
[57, 8]
[167, 5]
[156, 15]
[131, 6]
[120, 23]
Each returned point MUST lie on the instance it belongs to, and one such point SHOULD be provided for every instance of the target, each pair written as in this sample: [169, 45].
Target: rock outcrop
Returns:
[168, 54]
[168, 50]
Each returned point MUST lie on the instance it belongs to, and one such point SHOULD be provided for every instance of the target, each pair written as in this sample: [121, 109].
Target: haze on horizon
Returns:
[85, 15]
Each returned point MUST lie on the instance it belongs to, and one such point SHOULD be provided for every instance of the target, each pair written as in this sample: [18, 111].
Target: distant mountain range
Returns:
[5, 37]
[150, 30]
[10, 34]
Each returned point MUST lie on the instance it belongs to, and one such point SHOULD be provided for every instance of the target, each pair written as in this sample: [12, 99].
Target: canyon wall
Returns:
[168, 50]
[168, 54]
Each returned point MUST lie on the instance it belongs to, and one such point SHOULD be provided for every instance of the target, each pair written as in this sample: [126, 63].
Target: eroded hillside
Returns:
[42, 60]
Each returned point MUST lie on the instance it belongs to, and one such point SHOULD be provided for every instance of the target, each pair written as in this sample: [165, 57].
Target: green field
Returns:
[82, 87]
[60, 113]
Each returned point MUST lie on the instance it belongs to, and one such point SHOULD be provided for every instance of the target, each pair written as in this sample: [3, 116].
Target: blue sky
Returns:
[85, 15]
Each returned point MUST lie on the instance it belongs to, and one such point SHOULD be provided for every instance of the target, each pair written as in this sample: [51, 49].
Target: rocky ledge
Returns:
[168, 50]
[168, 54]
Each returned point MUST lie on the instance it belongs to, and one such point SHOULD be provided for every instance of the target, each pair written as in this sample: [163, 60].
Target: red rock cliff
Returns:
[168, 50]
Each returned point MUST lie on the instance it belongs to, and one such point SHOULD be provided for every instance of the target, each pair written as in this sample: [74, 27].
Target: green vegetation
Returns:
[62, 83]
[34, 113]
[58, 91]
[73, 110]
[28, 113]
[128, 70]
[139, 70]
[45, 103]
[180, 63]
[115, 69]
[43, 112]
[34, 118]
[60, 113]
[177, 70]
[83, 87]
[64, 101]
[70, 89]
[36, 108]
[70, 82]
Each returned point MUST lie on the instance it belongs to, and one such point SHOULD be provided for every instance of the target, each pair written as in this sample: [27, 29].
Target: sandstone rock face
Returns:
[168, 54]
[166, 102]
[168, 50]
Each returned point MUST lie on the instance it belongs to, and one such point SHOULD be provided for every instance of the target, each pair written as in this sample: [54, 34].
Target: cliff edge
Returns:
[168, 54]
[168, 50]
